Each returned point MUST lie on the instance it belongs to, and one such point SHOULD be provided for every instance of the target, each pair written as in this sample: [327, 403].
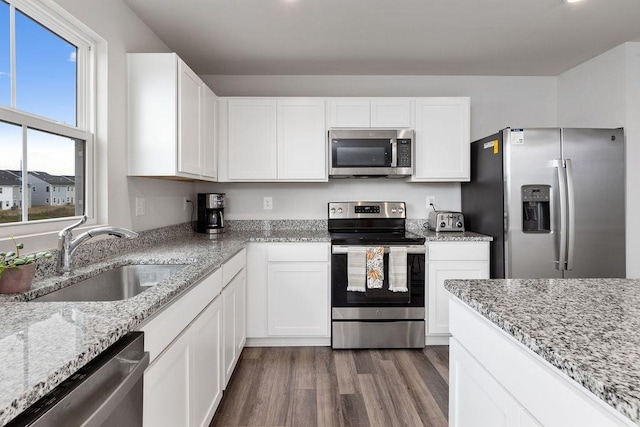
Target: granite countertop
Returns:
[43, 343]
[587, 328]
[450, 236]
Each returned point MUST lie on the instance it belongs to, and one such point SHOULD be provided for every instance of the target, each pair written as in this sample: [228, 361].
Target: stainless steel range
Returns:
[377, 277]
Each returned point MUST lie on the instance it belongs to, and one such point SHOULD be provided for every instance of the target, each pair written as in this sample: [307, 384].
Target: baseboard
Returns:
[437, 339]
[289, 342]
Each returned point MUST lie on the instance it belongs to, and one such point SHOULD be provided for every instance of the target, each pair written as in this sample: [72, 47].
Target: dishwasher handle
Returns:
[136, 370]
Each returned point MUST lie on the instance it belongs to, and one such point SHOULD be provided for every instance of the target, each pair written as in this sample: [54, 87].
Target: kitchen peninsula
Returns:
[545, 352]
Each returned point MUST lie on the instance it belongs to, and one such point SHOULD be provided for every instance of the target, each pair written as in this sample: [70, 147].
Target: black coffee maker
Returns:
[210, 213]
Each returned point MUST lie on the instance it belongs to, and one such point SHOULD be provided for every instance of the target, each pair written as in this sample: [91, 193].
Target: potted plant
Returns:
[16, 271]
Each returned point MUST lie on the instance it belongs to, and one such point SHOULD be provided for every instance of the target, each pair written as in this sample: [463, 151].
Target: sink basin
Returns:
[114, 285]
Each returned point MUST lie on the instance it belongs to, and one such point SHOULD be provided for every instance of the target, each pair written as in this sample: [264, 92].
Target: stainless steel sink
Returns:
[114, 285]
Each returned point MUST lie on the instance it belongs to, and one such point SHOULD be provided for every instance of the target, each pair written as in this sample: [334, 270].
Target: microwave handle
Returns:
[394, 153]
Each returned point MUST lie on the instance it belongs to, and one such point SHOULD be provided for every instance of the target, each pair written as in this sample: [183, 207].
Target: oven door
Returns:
[355, 152]
[349, 304]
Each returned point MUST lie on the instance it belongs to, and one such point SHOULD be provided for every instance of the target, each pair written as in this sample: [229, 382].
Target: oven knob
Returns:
[393, 210]
[339, 210]
[333, 210]
[443, 224]
[459, 224]
[400, 210]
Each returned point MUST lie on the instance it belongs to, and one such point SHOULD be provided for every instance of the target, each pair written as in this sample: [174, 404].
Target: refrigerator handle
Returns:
[562, 211]
[571, 215]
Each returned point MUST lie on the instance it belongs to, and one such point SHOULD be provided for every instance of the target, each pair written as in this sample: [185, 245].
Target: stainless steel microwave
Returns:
[370, 152]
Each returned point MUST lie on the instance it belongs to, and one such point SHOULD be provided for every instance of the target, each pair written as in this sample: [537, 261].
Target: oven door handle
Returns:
[340, 249]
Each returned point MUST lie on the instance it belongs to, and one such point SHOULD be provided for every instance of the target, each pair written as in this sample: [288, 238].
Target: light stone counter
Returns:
[587, 328]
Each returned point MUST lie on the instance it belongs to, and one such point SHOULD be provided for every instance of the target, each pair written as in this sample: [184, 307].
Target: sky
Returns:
[45, 86]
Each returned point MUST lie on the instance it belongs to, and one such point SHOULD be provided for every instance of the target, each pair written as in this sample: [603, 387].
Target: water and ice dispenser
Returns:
[536, 203]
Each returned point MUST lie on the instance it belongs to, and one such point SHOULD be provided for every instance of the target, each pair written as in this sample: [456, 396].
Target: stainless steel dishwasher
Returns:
[105, 392]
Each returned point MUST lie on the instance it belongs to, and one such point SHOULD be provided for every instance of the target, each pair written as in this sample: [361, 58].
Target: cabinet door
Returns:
[166, 386]
[252, 139]
[190, 92]
[206, 354]
[391, 113]
[302, 140]
[234, 322]
[476, 398]
[442, 139]
[438, 297]
[240, 313]
[298, 299]
[349, 113]
[209, 140]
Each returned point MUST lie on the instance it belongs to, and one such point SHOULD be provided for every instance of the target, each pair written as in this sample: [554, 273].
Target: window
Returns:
[46, 99]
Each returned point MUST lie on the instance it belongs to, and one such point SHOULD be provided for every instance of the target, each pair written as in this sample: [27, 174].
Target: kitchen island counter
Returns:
[589, 329]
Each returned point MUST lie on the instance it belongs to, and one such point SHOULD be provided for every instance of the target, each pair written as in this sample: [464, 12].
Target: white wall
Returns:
[605, 92]
[124, 32]
[496, 102]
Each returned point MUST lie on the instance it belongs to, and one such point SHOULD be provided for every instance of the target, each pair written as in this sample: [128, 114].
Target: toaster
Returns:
[446, 221]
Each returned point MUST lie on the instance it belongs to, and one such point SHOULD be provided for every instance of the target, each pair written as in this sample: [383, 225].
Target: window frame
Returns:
[54, 18]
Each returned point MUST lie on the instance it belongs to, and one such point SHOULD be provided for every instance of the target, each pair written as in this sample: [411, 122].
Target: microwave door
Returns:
[361, 156]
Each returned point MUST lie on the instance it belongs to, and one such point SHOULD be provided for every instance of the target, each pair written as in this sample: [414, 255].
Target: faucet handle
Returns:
[72, 226]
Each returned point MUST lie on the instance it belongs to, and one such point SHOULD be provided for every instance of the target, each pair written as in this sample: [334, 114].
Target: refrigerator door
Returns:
[531, 188]
[597, 222]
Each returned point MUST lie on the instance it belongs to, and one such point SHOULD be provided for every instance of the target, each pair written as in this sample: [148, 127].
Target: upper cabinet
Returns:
[172, 119]
[370, 112]
[273, 139]
[442, 138]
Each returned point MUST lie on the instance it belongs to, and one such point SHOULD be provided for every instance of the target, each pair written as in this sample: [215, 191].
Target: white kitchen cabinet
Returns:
[234, 313]
[206, 359]
[442, 138]
[276, 139]
[170, 119]
[302, 142]
[166, 387]
[288, 294]
[478, 399]
[450, 260]
[233, 300]
[209, 140]
[496, 380]
[298, 290]
[349, 112]
[370, 113]
[252, 139]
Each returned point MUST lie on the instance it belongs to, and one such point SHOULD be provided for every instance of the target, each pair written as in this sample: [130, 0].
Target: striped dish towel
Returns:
[375, 267]
[356, 269]
[398, 269]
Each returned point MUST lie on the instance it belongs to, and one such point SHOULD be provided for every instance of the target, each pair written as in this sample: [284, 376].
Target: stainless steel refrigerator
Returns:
[553, 199]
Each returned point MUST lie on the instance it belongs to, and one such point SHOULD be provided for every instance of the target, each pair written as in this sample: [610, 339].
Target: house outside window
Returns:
[47, 102]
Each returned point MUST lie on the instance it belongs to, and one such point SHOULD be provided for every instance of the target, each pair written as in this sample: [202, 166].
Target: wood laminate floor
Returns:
[318, 386]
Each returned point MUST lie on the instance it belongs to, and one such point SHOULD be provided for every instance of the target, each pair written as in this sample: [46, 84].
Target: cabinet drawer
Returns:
[458, 251]
[314, 252]
[233, 266]
[165, 327]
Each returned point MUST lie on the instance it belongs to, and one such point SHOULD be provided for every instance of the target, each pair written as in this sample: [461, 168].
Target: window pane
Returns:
[56, 164]
[10, 172]
[5, 56]
[45, 72]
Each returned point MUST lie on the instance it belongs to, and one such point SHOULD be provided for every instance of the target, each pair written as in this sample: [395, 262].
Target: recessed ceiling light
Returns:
[572, 1]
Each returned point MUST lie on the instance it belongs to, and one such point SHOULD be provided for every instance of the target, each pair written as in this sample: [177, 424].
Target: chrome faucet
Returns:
[67, 245]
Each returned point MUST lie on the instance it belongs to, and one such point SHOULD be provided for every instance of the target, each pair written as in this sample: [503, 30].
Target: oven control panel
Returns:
[358, 210]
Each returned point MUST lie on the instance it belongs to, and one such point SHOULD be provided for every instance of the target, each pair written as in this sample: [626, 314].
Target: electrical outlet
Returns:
[431, 200]
[185, 204]
[140, 206]
[267, 203]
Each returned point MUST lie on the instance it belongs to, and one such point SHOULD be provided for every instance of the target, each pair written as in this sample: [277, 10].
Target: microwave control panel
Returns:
[404, 153]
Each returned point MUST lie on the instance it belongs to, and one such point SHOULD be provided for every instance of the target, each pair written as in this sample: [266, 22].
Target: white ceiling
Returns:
[389, 37]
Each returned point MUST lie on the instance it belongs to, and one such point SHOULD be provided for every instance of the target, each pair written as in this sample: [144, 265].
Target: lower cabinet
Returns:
[288, 294]
[183, 385]
[194, 345]
[234, 309]
[450, 260]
